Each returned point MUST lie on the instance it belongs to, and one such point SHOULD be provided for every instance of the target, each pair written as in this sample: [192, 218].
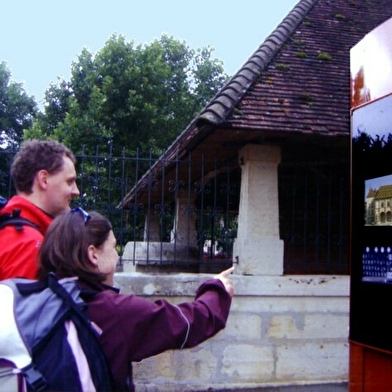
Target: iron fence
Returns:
[193, 204]
[314, 216]
[207, 219]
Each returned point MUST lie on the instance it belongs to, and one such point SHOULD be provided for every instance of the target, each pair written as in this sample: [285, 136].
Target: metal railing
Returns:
[141, 204]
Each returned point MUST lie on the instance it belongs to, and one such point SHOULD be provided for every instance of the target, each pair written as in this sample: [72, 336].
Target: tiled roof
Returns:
[299, 78]
[385, 192]
[295, 86]
[372, 193]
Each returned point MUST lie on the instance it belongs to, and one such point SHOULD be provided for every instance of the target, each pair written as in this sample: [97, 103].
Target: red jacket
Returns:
[18, 249]
[134, 328]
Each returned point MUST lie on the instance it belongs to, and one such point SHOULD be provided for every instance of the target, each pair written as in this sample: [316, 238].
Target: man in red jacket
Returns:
[44, 176]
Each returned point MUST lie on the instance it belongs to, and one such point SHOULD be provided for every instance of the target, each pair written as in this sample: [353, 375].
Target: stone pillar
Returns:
[151, 228]
[258, 246]
[184, 226]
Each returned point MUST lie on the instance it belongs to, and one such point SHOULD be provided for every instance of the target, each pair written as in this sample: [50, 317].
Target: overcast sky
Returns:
[39, 39]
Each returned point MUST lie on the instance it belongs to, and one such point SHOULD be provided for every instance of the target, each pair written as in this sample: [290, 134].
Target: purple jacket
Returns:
[134, 328]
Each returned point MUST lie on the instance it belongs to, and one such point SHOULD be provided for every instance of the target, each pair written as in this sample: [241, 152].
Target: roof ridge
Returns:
[227, 98]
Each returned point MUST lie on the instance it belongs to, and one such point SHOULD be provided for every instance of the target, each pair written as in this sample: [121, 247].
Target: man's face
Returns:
[61, 189]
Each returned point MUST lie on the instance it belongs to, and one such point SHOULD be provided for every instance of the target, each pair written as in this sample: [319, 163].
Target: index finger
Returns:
[227, 272]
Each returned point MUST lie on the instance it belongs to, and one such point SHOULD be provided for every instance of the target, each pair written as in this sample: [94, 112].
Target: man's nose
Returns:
[75, 191]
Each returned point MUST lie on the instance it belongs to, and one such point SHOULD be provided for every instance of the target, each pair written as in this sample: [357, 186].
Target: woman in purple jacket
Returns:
[133, 328]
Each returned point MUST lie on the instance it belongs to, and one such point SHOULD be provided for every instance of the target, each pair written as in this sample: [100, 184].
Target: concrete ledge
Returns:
[184, 284]
[327, 387]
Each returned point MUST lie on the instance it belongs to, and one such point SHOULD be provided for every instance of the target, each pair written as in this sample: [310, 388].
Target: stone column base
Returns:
[261, 258]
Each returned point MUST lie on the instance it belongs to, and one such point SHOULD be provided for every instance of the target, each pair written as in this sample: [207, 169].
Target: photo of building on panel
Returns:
[378, 201]
[377, 259]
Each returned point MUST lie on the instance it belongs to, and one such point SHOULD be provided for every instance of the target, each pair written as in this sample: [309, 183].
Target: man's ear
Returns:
[92, 255]
[42, 178]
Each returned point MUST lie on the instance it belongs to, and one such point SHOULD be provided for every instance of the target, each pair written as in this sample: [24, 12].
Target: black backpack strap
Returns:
[16, 220]
[31, 286]
[50, 281]
[34, 378]
[61, 292]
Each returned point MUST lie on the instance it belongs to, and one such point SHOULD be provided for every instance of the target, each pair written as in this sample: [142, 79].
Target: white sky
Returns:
[39, 39]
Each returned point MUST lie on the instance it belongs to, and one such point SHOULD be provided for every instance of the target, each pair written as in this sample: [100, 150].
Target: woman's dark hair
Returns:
[64, 249]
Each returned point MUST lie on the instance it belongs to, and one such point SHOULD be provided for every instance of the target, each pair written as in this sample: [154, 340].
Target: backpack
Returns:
[14, 219]
[47, 343]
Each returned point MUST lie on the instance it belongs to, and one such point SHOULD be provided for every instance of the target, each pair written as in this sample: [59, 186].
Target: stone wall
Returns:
[288, 330]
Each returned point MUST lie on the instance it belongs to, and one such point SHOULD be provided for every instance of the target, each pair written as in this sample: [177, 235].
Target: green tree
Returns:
[130, 96]
[17, 110]
[126, 98]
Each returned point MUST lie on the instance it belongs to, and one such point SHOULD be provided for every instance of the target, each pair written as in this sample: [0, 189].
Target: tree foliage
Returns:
[17, 110]
[130, 96]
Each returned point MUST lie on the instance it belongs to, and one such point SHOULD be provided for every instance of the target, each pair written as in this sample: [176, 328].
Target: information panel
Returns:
[371, 190]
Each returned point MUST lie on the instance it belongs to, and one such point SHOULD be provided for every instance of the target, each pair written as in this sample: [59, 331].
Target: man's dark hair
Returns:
[36, 155]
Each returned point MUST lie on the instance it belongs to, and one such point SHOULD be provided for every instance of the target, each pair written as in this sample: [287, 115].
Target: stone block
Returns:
[314, 326]
[243, 328]
[307, 361]
[326, 326]
[248, 363]
[283, 326]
